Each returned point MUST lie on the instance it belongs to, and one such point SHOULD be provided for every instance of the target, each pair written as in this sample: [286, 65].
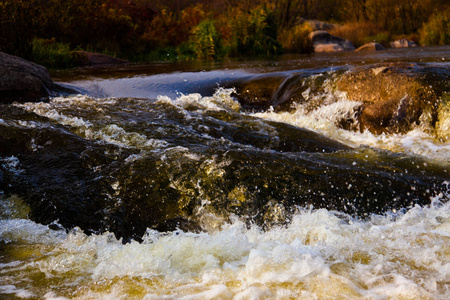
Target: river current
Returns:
[155, 182]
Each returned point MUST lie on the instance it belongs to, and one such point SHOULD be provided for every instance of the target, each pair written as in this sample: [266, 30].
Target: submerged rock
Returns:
[258, 92]
[279, 90]
[24, 81]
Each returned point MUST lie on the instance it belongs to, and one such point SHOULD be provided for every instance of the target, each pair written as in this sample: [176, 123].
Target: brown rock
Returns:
[371, 47]
[394, 96]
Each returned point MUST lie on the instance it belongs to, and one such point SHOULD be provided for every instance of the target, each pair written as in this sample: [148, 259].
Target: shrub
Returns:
[52, 54]
[383, 38]
[255, 33]
[437, 30]
[205, 41]
[361, 33]
[295, 39]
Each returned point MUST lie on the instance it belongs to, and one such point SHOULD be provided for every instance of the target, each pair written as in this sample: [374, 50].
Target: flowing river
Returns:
[178, 181]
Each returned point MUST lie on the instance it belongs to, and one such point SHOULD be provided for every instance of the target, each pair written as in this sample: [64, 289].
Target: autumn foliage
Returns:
[208, 29]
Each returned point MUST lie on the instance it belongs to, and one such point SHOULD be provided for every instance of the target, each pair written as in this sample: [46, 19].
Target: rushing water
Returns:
[169, 188]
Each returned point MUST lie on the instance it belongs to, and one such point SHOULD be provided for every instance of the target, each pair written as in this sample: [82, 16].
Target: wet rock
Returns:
[403, 43]
[371, 47]
[395, 96]
[258, 92]
[86, 58]
[103, 187]
[24, 81]
[280, 90]
[320, 37]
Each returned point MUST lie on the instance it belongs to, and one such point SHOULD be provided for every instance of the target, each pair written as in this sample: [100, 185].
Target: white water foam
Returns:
[318, 255]
[324, 119]
[221, 100]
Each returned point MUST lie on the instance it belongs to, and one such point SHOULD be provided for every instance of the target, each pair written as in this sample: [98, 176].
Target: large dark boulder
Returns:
[24, 81]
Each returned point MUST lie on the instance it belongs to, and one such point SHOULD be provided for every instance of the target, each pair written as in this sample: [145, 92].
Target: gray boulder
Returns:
[403, 43]
[321, 37]
[24, 81]
[371, 47]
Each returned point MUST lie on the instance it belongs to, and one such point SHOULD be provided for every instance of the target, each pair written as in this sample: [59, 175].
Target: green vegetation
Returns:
[205, 41]
[48, 31]
[437, 30]
[53, 54]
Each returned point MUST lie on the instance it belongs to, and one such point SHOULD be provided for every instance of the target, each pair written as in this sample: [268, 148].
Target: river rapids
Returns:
[167, 186]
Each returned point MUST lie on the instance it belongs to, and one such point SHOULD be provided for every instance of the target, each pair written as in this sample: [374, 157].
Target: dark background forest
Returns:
[50, 31]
